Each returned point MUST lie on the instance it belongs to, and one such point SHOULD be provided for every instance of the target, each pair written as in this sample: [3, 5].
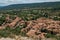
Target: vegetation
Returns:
[46, 5]
[27, 15]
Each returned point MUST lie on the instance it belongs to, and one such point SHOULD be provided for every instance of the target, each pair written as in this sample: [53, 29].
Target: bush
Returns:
[4, 33]
[48, 35]
[58, 38]
[45, 15]
[2, 19]
[55, 18]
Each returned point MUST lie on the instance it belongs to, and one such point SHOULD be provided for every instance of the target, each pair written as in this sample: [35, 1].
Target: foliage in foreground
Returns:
[7, 32]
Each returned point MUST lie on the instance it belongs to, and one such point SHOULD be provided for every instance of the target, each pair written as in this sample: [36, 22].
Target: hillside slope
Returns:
[33, 5]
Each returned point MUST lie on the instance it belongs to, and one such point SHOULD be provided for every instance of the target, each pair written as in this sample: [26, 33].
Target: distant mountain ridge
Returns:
[32, 5]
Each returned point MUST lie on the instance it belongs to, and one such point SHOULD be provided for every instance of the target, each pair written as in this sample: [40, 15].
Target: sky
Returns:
[8, 2]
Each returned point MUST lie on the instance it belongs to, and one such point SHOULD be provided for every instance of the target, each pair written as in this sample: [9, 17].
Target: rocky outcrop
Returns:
[41, 27]
[34, 28]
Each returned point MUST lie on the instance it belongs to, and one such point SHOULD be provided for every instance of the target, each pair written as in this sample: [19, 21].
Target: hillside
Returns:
[32, 5]
[35, 21]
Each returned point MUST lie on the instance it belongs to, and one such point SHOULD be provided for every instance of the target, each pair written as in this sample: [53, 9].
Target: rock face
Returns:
[14, 22]
[10, 23]
[34, 28]
[41, 27]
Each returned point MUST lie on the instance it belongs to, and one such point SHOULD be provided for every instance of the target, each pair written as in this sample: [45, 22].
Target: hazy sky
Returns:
[7, 2]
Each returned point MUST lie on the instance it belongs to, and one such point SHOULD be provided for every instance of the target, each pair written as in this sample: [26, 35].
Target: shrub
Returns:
[48, 35]
[58, 38]
[45, 15]
[2, 19]
[55, 18]
[4, 33]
